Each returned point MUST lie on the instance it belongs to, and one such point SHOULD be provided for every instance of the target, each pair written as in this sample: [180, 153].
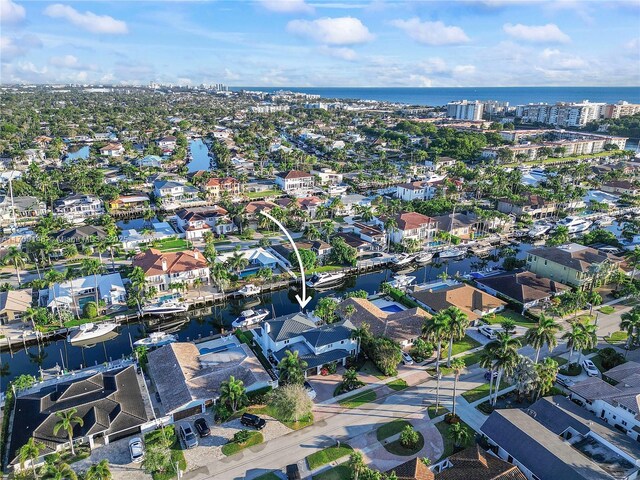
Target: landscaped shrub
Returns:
[409, 438]
[241, 436]
[259, 396]
[571, 370]
[90, 310]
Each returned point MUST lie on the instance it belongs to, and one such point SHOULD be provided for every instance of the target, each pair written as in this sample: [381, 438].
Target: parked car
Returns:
[310, 391]
[490, 332]
[202, 428]
[590, 368]
[293, 472]
[188, 436]
[406, 359]
[136, 449]
[489, 373]
[250, 420]
[564, 381]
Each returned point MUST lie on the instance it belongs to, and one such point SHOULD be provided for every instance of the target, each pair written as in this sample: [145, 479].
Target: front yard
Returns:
[359, 399]
[328, 455]
[481, 391]
[520, 320]
[467, 343]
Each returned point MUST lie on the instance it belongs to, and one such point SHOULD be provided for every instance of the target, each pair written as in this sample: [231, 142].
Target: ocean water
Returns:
[437, 96]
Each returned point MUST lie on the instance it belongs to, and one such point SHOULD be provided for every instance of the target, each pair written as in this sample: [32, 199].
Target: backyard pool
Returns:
[393, 308]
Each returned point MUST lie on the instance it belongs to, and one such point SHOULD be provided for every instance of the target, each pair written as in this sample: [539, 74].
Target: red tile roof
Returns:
[412, 220]
[153, 260]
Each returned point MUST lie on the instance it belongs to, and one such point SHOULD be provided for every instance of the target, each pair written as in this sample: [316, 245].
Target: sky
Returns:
[315, 43]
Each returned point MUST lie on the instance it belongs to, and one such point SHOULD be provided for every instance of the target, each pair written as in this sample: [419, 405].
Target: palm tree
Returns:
[30, 451]
[435, 329]
[16, 257]
[458, 366]
[630, 323]
[61, 471]
[219, 275]
[574, 338]
[459, 434]
[456, 327]
[68, 419]
[366, 212]
[328, 228]
[633, 257]
[110, 243]
[93, 266]
[53, 277]
[390, 225]
[544, 333]
[503, 353]
[590, 337]
[233, 393]
[291, 368]
[237, 262]
[99, 471]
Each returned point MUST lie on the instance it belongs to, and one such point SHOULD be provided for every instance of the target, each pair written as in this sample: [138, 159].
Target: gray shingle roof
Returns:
[289, 326]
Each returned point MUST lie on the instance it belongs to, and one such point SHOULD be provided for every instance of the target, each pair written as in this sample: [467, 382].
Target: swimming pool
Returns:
[391, 308]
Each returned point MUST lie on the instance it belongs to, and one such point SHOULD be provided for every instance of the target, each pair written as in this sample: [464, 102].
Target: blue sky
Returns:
[323, 43]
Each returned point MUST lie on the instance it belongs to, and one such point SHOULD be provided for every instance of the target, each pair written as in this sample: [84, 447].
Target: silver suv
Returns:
[188, 436]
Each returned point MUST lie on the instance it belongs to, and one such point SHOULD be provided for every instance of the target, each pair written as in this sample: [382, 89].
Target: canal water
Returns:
[200, 159]
[77, 153]
[213, 319]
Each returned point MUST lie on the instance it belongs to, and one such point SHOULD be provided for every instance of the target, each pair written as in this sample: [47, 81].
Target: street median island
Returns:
[359, 399]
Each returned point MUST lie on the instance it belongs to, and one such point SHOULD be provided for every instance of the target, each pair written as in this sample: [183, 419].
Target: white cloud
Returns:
[332, 31]
[88, 21]
[12, 47]
[71, 62]
[11, 12]
[549, 33]
[431, 33]
[287, 6]
[343, 53]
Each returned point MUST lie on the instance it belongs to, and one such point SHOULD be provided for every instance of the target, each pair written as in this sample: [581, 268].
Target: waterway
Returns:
[200, 159]
[212, 319]
[77, 152]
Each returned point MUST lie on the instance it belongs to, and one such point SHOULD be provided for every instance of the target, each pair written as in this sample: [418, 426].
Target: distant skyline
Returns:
[315, 43]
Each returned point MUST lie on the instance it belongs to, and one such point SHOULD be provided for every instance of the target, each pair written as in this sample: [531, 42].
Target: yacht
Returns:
[165, 307]
[402, 259]
[90, 331]
[452, 253]
[402, 281]
[538, 230]
[323, 279]
[250, 317]
[575, 224]
[249, 290]
[156, 339]
[423, 258]
[604, 221]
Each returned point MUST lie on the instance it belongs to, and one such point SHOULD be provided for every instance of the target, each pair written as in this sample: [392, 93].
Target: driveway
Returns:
[117, 453]
[324, 386]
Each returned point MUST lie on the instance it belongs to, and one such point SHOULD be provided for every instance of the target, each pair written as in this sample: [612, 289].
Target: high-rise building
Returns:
[621, 109]
[465, 110]
[562, 114]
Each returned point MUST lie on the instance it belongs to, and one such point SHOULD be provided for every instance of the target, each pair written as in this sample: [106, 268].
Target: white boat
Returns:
[402, 259]
[402, 281]
[250, 317]
[90, 331]
[249, 290]
[538, 230]
[323, 279]
[165, 307]
[424, 257]
[156, 339]
[452, 253]
[604, 221]
[575, 224]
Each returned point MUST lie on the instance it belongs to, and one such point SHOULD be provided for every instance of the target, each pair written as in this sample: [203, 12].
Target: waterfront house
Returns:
[188, 377]
[133, 202]
[218, 188]
[109, 402]
[162, 269]
[419, 190]
[149, 161]
[20, 209]
[194, 222]
[172, 194]
[167, 143]
[556, 439]
[328, 176]
[87, 234]
[573, 264]
[294, 181]
[625, 187]
[72, 295]
[257, 258]
[13, 304]
[77, 208]
[473, 302]
[112, 150]
[533, 206]
[134, 239]
[411, 225]
[317, 346]
[460, 225]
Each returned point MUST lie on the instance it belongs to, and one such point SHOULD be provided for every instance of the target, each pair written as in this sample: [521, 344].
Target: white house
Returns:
[328, 176]
[348, 204]
[175, 194]
[69, 295]
[112, 150]
[168, 142]
[294, 180]
[412, 225]
[165, 268]
[77, 208]
[194, 222]
[149, 161]
[257, 257]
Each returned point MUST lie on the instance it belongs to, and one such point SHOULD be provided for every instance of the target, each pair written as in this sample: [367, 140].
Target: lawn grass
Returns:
[266, 410]
[471, 358]
[444, 370]
[390, 429]
[560, 360]
[369, 368]
[561, 159]
[172, 244]
[231, 448]
[328, 455]
[467, 343]
[325, 268]
[481, 391]
[397, 448]
[617, 337]
[177, 455]
[266, 193]
[268, 476]
[607, 309]
[359, 399]
[498, 318]
[397, 384]
[449, 447]
[341, 472]
[433, 413]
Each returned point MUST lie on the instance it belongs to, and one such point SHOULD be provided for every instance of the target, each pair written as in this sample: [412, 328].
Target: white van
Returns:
[490, 332]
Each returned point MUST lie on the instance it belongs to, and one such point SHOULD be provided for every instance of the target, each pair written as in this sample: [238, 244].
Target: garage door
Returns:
[187, 412]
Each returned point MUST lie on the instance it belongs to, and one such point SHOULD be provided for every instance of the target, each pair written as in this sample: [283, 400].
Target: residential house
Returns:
[188, 377]
[167, 143]
[133, 202]
[348, 204]
[418, 190]
[284, 251]
[317, 346]
[328, 176]
[294, 181]
[440, 163]
[412, 225]
[110, 404]
[252, 210]
[475, 463]
[460, 225]
[13, 304]
[473, 302]
[112, 150]
[87, 234]
[71, 295]
[403, 326]
[77, 208]
[257, 258]
[357, 242]
[522, 287]
[133, 239]
[194, 222]
[20, 209]
[218, 188]
[163, 269]
[149, 161]
[556, 439]
[174, 195]
[625, 187]
[573, 264]
[615, 398]
[368, 233]
[306, 204]
[533, 206]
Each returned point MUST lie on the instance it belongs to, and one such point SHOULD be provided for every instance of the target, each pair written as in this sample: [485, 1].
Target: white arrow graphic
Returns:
[304, 300]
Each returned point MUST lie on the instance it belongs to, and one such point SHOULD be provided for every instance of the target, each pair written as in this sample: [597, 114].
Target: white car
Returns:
[136, 449]
[406, 359]
[564, 381]
[590, 368]
[490, 332]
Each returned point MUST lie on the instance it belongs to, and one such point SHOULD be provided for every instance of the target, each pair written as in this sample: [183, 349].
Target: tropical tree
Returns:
[67, 421]
[630, 323]
[456, 327]
[435, 329]
[237, 262]
[543, 333]
[502, 355]
[459, 434]
[99, 471]
[525, 376]
[93, 266]
[292, 402]
[350, 380]
[357, 465]
[17, 258]
[291, 368]
[633, 258]
[559, 237]
[30, 451]
[574, 338]
[233, 393]
[457, 365]
[53, 277]
[61, 471]
[547, 372]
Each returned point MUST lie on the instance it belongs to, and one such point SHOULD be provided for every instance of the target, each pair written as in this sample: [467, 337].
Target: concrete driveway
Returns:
[117, 453]
[325, 386]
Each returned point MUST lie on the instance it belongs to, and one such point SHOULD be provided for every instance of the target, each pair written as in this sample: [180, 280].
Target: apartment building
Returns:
[621, 109]
[465, 110]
